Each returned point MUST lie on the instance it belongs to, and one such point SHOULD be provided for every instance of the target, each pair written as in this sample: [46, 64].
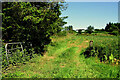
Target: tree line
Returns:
[111, 28]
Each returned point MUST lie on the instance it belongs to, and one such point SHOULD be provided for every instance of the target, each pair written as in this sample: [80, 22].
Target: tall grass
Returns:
[104, 47]
[63, 60]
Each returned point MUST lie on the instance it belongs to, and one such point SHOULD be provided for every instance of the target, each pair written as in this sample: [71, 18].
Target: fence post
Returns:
[91, 43]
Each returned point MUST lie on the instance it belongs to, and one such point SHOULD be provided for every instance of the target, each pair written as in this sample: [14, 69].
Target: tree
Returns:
[68, 28]
[102, 29]
[80, 31]
[71, 27]
[108, 27]
[113, 28]
[31, 22]
[90, 29]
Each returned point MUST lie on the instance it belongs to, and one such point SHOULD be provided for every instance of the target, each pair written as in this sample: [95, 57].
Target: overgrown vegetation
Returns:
[63, 60]
[16, 56]
[107, 52]
[90, 29]
[41, 25]
[31, 22]
[113, 28]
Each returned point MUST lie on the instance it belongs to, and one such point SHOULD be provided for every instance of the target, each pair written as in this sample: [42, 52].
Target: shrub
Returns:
[16, 57]
[115, 33]
[90, 29]
[104, 51]
[26, 24]
[72, 31]
[62, 33]
[79, 31]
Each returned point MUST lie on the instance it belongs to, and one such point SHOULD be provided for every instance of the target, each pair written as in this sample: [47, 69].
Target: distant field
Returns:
[64, 60]
[102, 33]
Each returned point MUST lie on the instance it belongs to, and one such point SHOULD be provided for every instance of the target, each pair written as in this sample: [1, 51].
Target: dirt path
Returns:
[84, 44]
[65, 61]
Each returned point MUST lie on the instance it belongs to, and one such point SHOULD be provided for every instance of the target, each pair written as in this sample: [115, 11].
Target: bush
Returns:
[72, 31]
[90, 29]
[26, 24]
[115, 33]
[62, 33]
[104, 51]
[79, 31]
[16, 57]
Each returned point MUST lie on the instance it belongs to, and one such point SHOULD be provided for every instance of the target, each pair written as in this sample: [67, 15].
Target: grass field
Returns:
[63, 60]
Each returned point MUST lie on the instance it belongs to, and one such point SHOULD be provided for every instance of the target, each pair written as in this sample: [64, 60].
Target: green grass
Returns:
[63, 60]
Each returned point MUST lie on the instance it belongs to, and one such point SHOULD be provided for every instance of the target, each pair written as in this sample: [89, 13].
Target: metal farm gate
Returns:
[8, 51]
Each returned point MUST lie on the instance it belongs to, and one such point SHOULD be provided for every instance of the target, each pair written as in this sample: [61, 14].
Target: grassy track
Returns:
[63, 60]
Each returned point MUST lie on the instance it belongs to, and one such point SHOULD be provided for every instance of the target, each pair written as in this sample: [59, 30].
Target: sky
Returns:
[97, 14]
[92, 0]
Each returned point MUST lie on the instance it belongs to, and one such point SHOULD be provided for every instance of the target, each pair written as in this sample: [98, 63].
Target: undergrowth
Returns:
[63, 60]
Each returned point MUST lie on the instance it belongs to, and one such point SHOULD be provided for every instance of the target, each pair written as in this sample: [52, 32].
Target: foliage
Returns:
[71, 27]
[63, 61]
[113, 28]
[99, 31]
[90, 29]
[16, 57]
[62, 33]
[111, 58]
[79, 31]
[114, 33]
[68, 28]
[31, 22]
[103, 50]
[72, 31]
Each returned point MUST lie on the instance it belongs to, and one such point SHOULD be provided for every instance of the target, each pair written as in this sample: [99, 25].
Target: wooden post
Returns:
[91, 43]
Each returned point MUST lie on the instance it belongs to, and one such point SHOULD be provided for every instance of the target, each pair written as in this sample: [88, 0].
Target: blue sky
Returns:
[97, 14]
[92, 0]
